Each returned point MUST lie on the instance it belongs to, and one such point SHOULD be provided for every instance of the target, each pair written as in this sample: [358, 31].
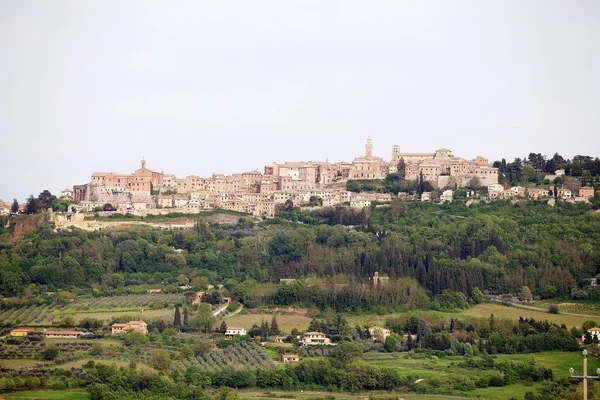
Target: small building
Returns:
[447, 196]
[559, 172]
[290, 358]
[537, 193]
[379, 334]
[62, 334]
[138, 326]
[279, 339]
[426, 196]
[233, 332]
[20, 332]
[594, 332]
[565, 194]
[315, 339]
[586, 192]
[518, 191]
[66, 194]
[495, 190]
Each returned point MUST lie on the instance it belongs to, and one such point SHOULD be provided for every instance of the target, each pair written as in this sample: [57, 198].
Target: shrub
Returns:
[50, 353]
[553, 309]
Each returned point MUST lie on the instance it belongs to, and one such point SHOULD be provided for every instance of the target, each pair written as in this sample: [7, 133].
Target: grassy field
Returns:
[481, 311]
[558, 361]
[17, 363]
[500, 310]
[317, 395]
[286, 322]
[590, 307]
[49, 395]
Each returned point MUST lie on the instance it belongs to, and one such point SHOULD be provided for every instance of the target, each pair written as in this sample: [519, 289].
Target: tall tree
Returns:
[205, 317]
[401, 168]
[274, 326]
[223, 327]
[177, 319]
[185, 316]
[32, 205]
[14, 208]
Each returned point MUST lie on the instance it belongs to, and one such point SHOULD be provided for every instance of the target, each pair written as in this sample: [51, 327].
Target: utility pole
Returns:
[585, 376]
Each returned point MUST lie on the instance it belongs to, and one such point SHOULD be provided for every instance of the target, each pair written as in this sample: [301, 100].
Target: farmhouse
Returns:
[62, 334]
[290, 358]
[139, 326]
[315, 339]
[379, 334]
[593, 332]
[20, 332]
[232, 332]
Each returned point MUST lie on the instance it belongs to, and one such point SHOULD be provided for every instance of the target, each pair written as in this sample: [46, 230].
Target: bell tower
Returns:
[143, 163]
[395, 152]
[369, 148]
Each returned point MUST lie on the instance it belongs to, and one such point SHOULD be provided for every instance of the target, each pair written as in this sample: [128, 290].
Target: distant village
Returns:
[146, 191]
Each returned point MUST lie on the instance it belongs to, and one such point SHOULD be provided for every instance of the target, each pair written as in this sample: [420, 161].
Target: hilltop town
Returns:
[146, 191]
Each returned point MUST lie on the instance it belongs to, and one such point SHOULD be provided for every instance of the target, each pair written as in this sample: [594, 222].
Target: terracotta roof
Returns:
[63, 333]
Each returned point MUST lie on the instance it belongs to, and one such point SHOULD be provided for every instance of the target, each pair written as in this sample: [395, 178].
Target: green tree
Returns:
[205, 318]
[117, 280]
[32, 206]
[10, 284]
[347, 351]
[134, 338]
[50, 353]
[401, 168]
[390, 344]
[476, 295]
[177, 318]
[274, 328]
[160, 359]
[185, 316]
[14, 208]
[525, 294]
[96, 350]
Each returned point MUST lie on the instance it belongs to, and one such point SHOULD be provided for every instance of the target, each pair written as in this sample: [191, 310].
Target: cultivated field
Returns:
[286, 322]
[154, 305]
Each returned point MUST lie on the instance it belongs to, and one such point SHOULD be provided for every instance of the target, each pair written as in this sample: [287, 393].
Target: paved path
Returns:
[235, 312]
[220, 309]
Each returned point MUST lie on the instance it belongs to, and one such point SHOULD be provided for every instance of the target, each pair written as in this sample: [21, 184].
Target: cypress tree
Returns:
[409, 342]
[14, 207]
[223, 327]
[274, 325]
[177, 320]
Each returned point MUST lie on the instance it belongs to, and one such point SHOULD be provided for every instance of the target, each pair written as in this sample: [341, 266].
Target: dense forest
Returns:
[497, 247]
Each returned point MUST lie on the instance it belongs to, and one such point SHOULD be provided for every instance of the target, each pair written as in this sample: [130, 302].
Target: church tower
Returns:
[143, 163]
[369, 148]
[395, 152]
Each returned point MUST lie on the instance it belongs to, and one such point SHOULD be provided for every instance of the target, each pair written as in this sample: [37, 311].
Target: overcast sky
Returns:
[228, 86]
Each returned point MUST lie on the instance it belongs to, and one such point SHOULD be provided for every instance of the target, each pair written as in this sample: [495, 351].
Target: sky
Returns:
[197, 87]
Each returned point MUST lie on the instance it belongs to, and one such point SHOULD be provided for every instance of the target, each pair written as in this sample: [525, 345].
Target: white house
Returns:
[314, 339]
[447, 195]
[593, 332]
[232, 332]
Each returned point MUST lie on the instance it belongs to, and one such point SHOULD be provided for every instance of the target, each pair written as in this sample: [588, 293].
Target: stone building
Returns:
[368, 166]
